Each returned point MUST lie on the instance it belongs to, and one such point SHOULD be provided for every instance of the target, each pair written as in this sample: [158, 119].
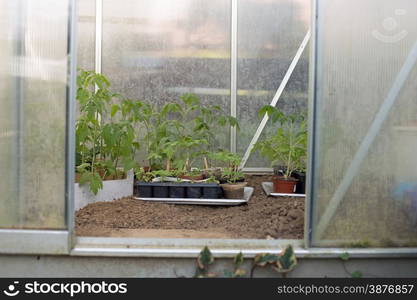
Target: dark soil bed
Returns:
[263, 217]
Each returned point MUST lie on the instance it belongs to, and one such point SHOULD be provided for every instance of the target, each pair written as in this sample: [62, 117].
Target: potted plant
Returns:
[231, 178]
[178, 138]
[105, 141]
[286, 148]
[143, 184]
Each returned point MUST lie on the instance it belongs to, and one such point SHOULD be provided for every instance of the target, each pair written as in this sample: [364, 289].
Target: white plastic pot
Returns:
[112, 190]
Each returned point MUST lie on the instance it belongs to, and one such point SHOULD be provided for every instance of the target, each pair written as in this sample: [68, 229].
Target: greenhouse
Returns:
[138, 131]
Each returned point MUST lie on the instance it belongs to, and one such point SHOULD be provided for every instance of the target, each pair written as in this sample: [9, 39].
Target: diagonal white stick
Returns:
[276, 98]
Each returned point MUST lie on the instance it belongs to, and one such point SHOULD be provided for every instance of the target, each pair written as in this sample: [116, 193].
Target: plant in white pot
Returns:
[286, 148]
[105, 141]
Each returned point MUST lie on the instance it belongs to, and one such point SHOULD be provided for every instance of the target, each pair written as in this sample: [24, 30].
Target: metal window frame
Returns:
[313, 146]
[64, 242]
[28, 241]
[233, 71]
[312, 106]
[148, 247]
[221, 248]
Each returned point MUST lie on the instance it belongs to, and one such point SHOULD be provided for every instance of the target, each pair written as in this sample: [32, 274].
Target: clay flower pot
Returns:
[193, 177]
[233, 190]
[284, 186]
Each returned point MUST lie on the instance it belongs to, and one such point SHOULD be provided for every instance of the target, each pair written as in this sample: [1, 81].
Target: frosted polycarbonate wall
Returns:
[365, 175]
[157, 50]
[86, 34]
[269, 35]
[33, 84]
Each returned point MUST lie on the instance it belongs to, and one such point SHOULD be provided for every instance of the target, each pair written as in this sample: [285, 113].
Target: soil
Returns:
[262, 217]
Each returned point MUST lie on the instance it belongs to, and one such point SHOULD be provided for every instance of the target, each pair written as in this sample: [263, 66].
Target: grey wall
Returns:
[77, 266]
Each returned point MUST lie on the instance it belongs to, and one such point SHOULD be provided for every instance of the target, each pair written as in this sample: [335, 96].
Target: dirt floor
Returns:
[262, 218]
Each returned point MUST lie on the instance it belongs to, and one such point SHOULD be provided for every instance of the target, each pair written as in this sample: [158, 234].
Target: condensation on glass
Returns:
[269, 35]
[86, 34]
[365, 176]
[33, 84]
[158, 50]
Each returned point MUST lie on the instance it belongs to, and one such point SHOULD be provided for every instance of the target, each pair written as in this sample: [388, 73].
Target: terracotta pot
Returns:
[193, 178]
[284, 186]
[233, 190]
[77, 177]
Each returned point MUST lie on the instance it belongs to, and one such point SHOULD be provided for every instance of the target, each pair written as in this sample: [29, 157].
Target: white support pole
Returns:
[99, 35]
[367, 142]
[233, 73]
[276, 98]
[99, 40]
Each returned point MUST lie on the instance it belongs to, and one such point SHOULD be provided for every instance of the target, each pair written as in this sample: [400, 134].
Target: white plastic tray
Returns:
[268, 188]
[246, 196]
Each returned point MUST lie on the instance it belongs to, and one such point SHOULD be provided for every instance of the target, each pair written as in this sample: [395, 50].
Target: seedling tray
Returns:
[201, 201]
[177, 190]
[268, 188]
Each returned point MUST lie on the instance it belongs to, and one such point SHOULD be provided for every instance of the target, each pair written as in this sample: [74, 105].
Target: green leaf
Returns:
[96, 183]
[263, 259]
[238, 259]
[228, 274]
[205, 258]
[344, 256]
[239, 273]
[85, 178]
[286, 261]
[128, 164]
[190, 99]
[267, 109]
[357, 274]
[114, 109]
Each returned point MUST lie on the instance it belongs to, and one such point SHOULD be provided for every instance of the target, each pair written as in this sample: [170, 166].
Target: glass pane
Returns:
[365, 181]
[86, 34]
[158, 50]
[269, 35]
[33, 84]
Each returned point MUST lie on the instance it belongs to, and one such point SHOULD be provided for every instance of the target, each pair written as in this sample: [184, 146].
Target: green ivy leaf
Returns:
[239, 273]
[344, 256]
[263, 259]
[357, 274]
[238, 259]
[205, 258]
[286, 261]
[228, 274]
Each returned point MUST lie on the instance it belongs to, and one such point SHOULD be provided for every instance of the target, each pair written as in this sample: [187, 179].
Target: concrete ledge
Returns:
[27, 241]
[189, 248]
[72, 266]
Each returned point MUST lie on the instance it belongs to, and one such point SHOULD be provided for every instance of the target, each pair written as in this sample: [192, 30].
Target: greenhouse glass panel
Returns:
[33, 84]
[158, 50]
[365, 142]
[86, 34]
[269, 35]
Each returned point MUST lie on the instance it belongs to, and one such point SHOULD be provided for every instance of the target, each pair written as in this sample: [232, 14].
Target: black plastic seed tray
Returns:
[177, 190]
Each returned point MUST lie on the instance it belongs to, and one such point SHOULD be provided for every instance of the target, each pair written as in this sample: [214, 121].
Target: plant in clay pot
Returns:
[286, 148]
[193, 175]
[231, 177]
